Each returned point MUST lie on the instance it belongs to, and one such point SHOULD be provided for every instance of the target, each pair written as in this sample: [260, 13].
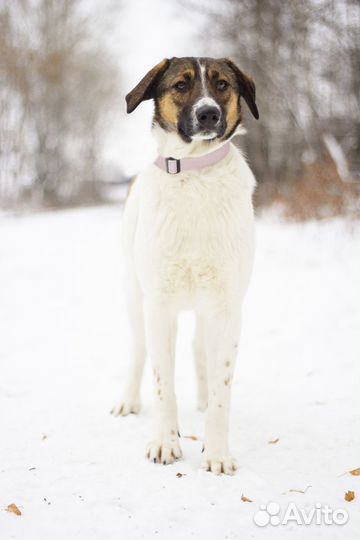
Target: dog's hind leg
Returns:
[200, 365]
[130, 402]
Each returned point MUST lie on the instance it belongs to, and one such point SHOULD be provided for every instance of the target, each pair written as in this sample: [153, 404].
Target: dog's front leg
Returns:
[221, 339]
[160, 326]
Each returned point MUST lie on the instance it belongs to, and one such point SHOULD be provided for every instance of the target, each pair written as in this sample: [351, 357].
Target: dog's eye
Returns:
[222, 85]
[181, 86]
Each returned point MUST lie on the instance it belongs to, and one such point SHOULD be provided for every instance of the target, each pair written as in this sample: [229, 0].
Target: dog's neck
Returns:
[170, 144]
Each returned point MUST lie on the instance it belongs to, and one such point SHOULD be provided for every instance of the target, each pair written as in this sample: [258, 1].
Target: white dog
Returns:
[189, 244]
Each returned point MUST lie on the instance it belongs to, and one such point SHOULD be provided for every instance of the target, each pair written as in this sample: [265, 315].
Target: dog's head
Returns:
[197, 97]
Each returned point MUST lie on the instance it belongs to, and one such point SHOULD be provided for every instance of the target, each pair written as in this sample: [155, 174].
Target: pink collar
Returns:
[175, 166]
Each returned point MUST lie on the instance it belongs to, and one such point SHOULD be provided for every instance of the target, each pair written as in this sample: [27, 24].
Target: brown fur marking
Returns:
[168, 109]
[233, 112]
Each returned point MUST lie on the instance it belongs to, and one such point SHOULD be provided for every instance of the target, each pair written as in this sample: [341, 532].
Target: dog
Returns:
[188, 231]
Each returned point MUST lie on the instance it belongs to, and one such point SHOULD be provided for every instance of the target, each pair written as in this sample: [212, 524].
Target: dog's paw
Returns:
[125, 407]
[163, 451]
[217, 465]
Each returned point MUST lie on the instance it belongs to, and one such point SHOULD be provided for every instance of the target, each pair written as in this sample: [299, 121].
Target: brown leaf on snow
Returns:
[274, 441]
[14, 509]
[245, 499]
[354, 472]
[192, 437]
[180, 475]
[349, 496]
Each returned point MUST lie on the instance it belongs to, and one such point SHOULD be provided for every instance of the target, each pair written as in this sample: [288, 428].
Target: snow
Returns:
[76, 472]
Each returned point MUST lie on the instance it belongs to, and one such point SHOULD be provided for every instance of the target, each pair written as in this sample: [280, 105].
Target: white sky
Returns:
[147, 32]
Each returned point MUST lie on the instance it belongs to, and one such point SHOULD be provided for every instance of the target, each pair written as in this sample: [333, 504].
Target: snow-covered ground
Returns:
[76, 472]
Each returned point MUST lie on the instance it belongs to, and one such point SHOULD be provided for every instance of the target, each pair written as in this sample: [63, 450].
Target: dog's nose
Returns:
[208, 117]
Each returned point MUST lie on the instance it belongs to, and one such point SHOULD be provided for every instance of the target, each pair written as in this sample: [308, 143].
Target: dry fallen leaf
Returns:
[14, 509]
[180, 475]
[299, 490]
[349, 496]
[354, 472]
[245, 499]
[274, 441]
[192, 437]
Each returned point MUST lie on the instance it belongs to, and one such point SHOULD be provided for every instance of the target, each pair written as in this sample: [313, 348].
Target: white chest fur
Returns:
[194, 230]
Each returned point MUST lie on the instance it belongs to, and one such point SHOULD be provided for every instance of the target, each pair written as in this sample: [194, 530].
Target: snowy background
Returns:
[76, 472]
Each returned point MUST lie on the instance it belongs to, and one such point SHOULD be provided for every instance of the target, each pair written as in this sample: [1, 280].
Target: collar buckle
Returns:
[172, 165]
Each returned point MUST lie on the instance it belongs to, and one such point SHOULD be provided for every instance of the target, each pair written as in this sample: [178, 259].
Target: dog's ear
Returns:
[146, 87]
[246, 87]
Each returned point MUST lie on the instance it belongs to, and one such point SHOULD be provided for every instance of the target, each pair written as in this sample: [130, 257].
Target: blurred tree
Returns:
[57, 87]
[304, 58]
